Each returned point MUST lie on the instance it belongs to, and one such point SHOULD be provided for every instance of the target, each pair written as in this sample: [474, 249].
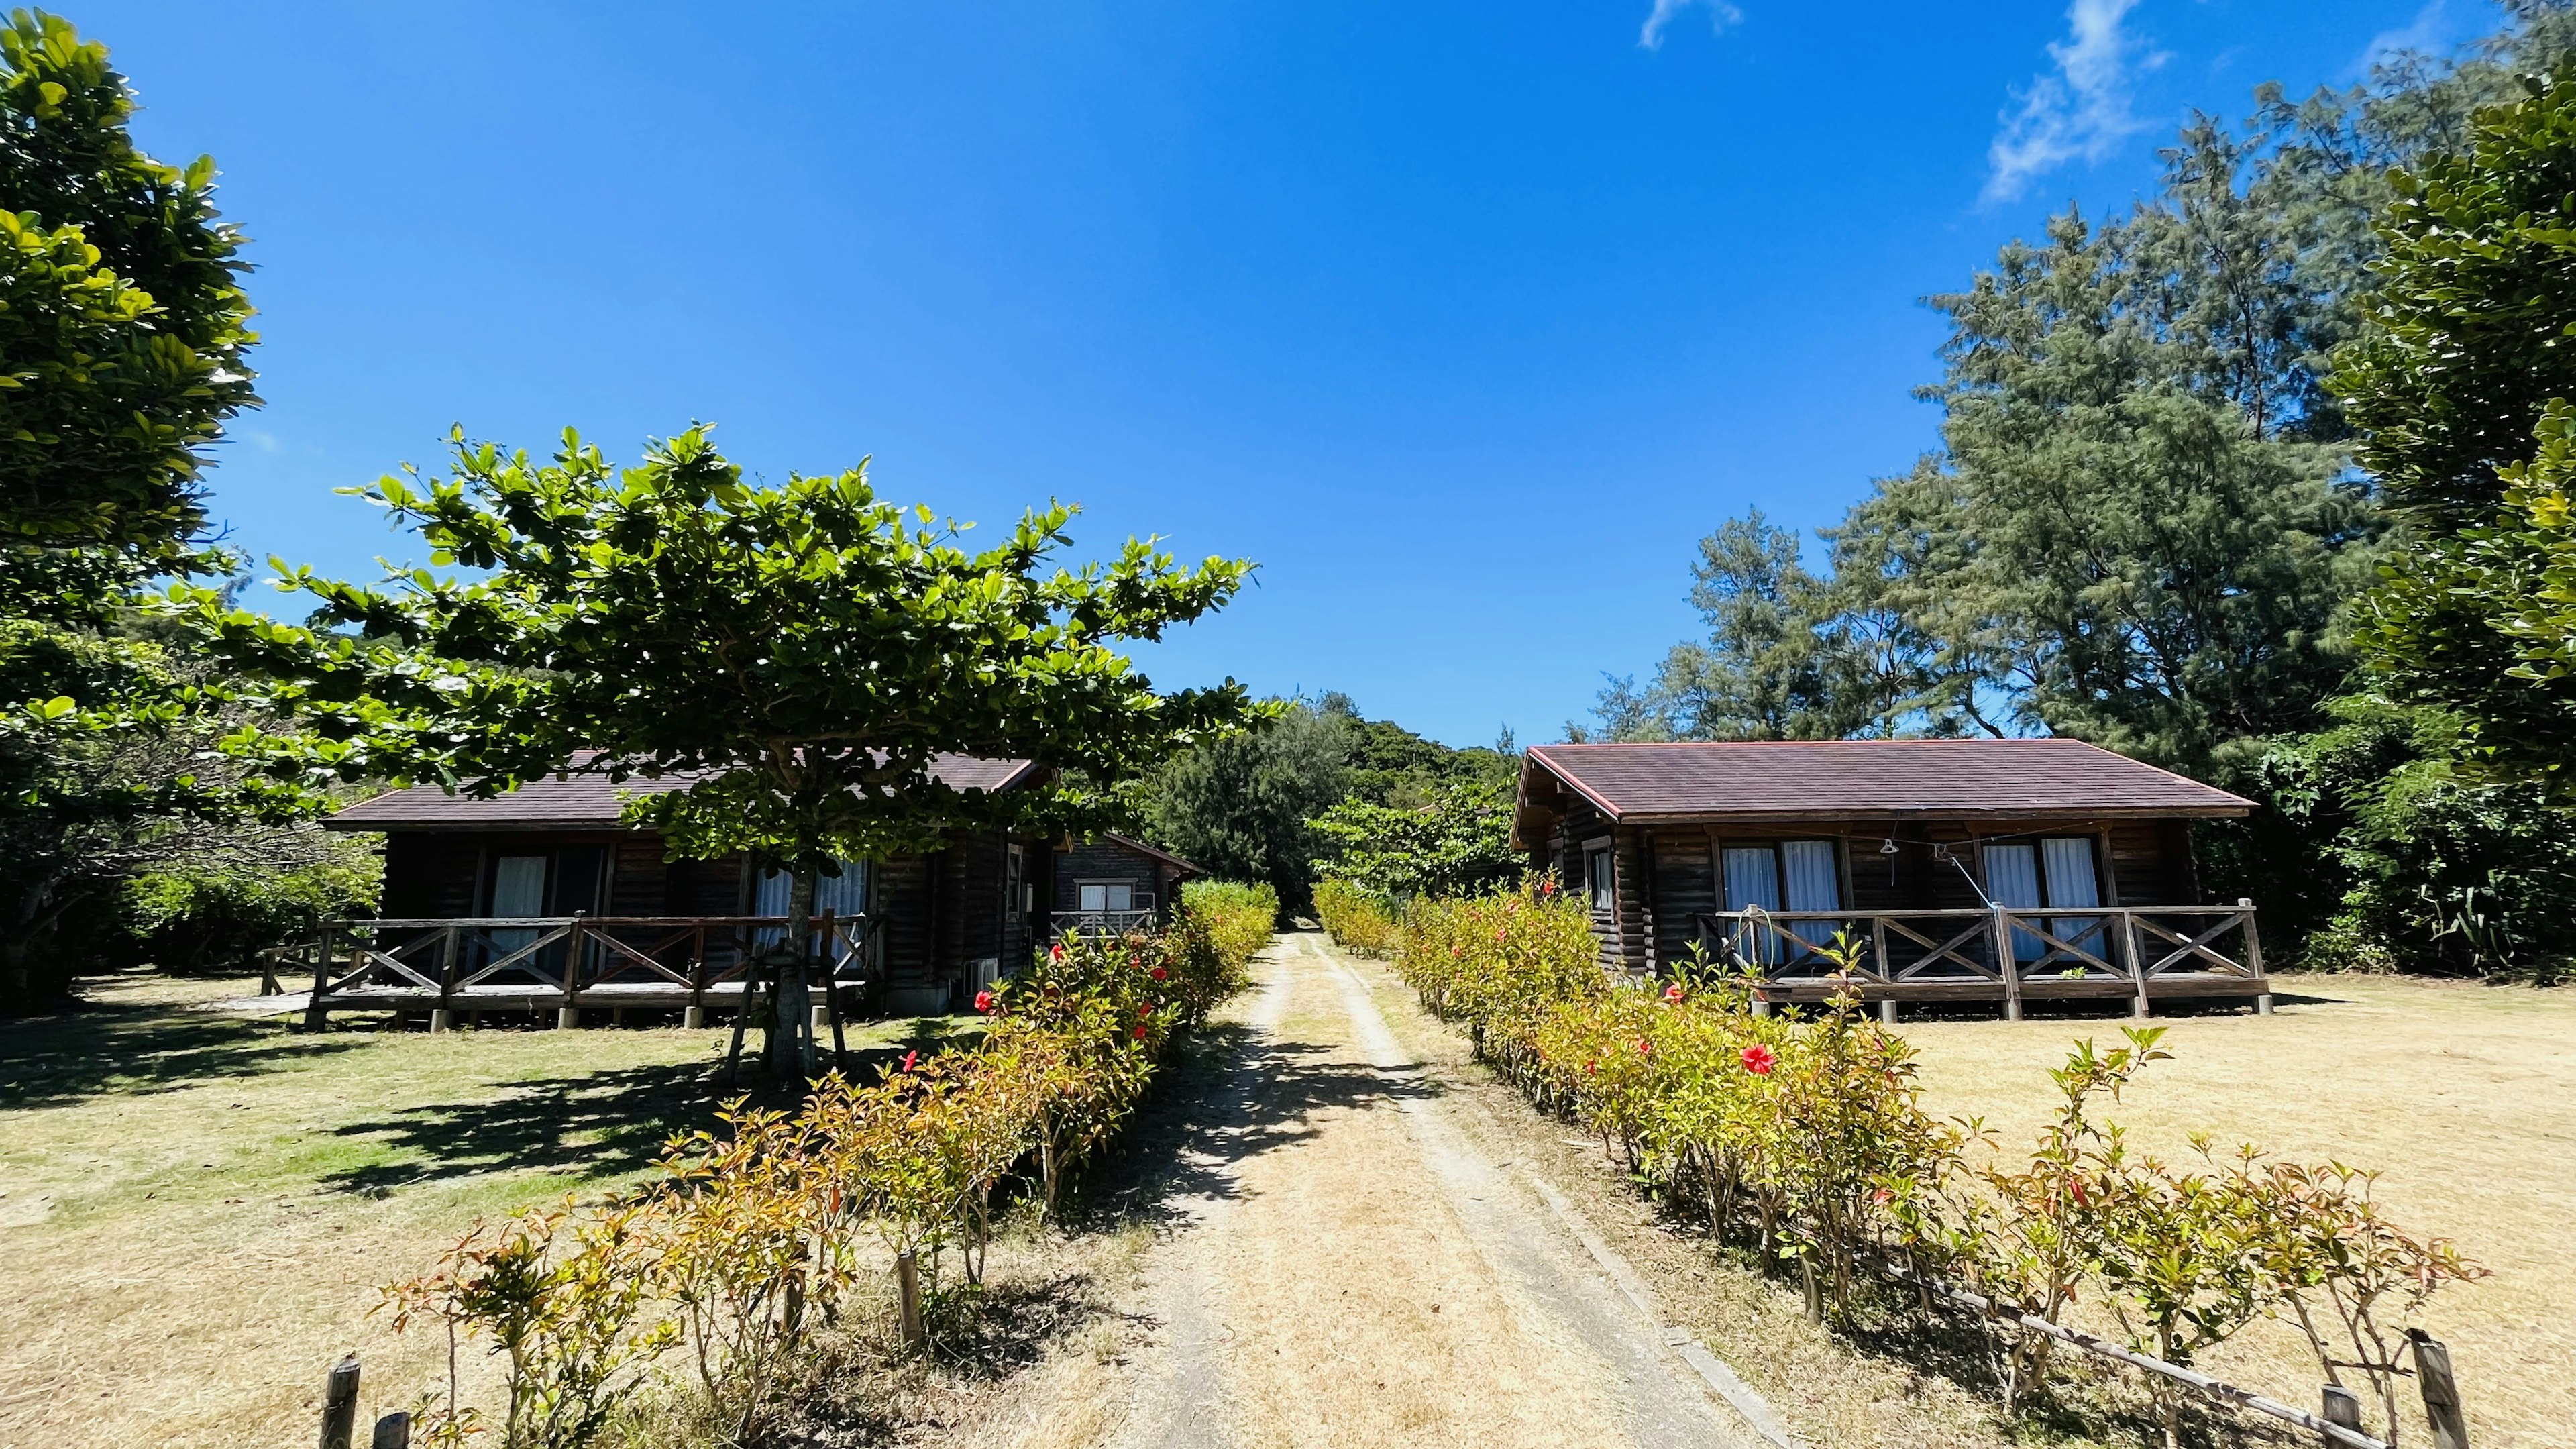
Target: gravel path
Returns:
[1347, 1268]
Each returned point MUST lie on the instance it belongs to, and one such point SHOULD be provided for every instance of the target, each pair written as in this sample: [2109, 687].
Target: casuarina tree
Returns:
[799, 653]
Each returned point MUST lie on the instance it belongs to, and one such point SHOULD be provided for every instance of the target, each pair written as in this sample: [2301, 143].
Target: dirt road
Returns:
[1344, 1266]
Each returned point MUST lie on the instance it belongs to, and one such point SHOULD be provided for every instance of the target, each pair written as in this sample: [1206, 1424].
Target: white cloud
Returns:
[2429, 33]
[1720, 16]
[2078, 111]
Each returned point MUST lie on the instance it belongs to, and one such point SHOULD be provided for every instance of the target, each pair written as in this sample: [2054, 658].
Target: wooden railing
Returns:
[2088, 950]
[1105, 923]
[650, 959]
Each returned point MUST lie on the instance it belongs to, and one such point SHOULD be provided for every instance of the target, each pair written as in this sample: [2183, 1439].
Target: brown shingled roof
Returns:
[590, 802]
[1868, 780]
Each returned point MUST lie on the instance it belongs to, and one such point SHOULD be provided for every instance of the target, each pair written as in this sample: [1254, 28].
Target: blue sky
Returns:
[1464, 320]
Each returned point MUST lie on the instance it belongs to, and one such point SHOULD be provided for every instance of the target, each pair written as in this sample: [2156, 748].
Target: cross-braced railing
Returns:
[2088, 950]
[616, 960]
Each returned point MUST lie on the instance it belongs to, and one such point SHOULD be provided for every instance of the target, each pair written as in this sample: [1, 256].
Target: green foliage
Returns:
[123, 326]
[1239, 805]
[806, 649]
[2441, 867]
[745, 1250]
[1391, 765]
[1804, 1138]
[1456, 843]
[2461, 388]
[123, 344]
[1356, 918]
[215, 907]
[1234, 919]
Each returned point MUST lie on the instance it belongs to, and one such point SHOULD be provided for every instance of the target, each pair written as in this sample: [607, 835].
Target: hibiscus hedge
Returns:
[1802, 1140]
[752, 1240]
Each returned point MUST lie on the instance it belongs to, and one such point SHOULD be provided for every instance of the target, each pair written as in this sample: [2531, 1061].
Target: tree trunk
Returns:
[790, 1048]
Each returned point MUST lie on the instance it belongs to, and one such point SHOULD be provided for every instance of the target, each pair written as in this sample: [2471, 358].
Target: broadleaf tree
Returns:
[124, 334]
[806, 650]
[2460, 387]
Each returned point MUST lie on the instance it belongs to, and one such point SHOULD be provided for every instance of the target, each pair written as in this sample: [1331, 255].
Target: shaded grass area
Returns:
[201, 1206]
[2464, 1094]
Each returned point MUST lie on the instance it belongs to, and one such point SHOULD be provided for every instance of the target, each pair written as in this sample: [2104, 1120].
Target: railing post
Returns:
[568, 1015]
[2129, 961]
[442, 1018]
[2008, 956]
[695, 1017]
[2254, 959]
[2441, 1392]
[340, 1404]
[315, 1013]
[1878, 950]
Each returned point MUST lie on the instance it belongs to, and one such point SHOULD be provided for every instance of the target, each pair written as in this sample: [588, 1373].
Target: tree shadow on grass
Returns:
[586, 1128]
[66, 1057]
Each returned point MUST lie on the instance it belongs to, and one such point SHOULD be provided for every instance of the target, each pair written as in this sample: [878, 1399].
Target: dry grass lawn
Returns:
[199, 1208]
[2465, 1097]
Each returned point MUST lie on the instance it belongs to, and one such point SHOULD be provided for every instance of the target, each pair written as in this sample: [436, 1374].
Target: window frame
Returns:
[1601, 877]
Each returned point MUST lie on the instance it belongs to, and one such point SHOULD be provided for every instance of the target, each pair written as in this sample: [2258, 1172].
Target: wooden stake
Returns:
[340, 1404]
[907, 1288]
[2342, 1408]
[393, 1431]
[2441, 1391]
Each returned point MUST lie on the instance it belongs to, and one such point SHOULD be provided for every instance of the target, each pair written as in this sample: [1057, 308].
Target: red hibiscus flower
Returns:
[909, 1058]
[1140, 1033]
[1162, 975]
[1758, 1060]
[1645, 1047]
[1674, 993]
[1056, 951]
[983, 1001]
[1593, 1067]
[1145, 1010]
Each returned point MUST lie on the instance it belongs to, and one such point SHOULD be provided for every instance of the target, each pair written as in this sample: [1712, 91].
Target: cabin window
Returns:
[1106, 896]
[1015, 874]
[562, 880]
[1600, 883]
[2057, 872]
[844, 894]
[1786, 875]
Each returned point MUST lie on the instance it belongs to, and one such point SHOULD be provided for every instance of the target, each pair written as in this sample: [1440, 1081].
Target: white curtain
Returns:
[2012, 879]
[845, 894]
[2069, 859]
[1815, 884]
[1753, 879]
[518, 892]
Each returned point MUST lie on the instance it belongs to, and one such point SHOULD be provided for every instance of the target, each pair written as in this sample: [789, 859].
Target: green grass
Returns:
[201, 1206]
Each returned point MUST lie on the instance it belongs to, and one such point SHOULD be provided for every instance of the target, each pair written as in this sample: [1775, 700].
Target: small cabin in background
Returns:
[1903, 870]
[542, 896]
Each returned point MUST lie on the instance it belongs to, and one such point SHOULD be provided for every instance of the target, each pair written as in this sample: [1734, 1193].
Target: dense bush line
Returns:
[1357, 918]
[1238, 918]
[750, 1244]
[1803, 1139]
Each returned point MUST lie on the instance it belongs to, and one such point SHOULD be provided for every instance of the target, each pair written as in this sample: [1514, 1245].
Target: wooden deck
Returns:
[2137, 954]
[569, 964]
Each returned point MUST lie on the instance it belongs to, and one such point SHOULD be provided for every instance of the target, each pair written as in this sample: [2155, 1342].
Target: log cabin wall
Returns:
[2140, 863]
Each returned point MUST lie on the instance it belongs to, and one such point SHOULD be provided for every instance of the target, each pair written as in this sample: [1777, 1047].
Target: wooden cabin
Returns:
[1902, 870]
[542, 898]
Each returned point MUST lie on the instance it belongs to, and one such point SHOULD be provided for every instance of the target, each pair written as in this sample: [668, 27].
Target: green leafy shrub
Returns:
[1235, 919]
[1357, 918]
[1803, 1138]
[746, 1244]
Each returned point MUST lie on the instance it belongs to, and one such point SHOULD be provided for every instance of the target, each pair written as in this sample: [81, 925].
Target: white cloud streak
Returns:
[1720, 15]
[2077, 111]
